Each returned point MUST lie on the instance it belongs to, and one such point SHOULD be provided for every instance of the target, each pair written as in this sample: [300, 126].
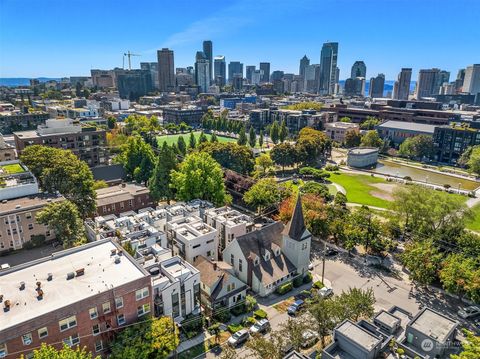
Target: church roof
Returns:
[296, 226]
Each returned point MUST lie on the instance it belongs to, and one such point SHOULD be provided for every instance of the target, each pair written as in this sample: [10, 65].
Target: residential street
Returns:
[391, 289]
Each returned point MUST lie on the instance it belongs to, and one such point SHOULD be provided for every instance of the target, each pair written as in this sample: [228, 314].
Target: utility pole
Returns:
[323, 260]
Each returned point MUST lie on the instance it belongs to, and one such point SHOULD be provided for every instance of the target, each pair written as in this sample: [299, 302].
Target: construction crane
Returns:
[129, 54]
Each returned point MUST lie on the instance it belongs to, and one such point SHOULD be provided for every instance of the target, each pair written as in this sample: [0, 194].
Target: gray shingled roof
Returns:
[296, 226]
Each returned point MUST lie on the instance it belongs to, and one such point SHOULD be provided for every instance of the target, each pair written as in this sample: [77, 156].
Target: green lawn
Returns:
[358, 188]
[13, 168]
[474, 223]
[171, 139]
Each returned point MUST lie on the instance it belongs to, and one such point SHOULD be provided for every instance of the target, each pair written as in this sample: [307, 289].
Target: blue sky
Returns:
[55, 38]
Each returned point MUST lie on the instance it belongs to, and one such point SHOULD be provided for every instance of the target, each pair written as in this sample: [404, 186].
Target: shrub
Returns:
[400, 351]
[250, 302]
[260, 314]
[331, 167]
[239, 309]
[318, 284]
[249, 321]
[221, 315]
[297, 281]
[193, 325]
[213, 328]
[284, 288]
[233, 328]
[308, 278]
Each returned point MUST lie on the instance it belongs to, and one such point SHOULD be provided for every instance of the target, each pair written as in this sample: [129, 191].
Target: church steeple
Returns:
[296, 226]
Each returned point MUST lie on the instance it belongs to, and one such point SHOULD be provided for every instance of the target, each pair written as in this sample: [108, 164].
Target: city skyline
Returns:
[78, 47]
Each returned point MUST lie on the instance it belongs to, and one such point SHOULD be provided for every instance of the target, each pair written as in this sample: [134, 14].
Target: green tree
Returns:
[153, 338]
[284, 154]
[370, 123]
[100, 184]
[60, 170]
[263, 165]
[252, 138]
[345, 119]
[63, 218]
[317, 189]
[192, 142]
[275, 132]
[268, 348]
[213, 138]
[463, 160]
[326, 315]
[264, 194]
[357, 303]
[137, 158]
[352, 138]
[202, 138]
[308, 105]
[242, 137]
[260, 140]
[471, 347]
[159, 183]
[283, 132]
[199, 176]
[312, 145]
[371, 139]
[182, 146]
[474, 160]
[422, 260]
[250, 302]
[230, 155]
[417, 147]
[111, 122]
[50, 352]
[459, 275]
[293, 331]
[228, 352]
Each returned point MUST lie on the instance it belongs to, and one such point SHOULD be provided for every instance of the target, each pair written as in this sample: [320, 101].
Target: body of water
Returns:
[22, 81]
[421, 175]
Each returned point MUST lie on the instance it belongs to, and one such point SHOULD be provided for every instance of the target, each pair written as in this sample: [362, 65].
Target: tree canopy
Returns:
[137, 158]
[49, 352]
[199, 176]
[153, 338]
[230, 155]
[60, 170]
[417, 147]
[159, 183]
[371, 139]
[312, 144]
[264, 193]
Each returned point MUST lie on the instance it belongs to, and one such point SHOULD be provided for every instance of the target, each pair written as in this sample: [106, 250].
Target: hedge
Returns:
[222, 315]
[308, 278]
[249, 321]
[318, 284]
[239, 309]
[284, 288]
[297, 281]
[260, 314]
[233, 328]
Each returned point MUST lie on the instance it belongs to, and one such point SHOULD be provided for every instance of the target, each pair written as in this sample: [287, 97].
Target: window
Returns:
[240, 263]
[27, 339]
[232, 259]
[196, 246]
[93, 312]
[256, 262]
[121, 319]
[98, 345]
[141, 293]
[210, 241]
[42, 332]
[72, 340]
[96, 329]
[143, 309]
[68, 323]
[3, 350]
[119, 302]
[30, 226]
[304, 246]
[106, 307]
[28, 215]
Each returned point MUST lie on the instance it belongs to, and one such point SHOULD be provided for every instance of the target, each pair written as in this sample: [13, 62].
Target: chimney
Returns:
[7, 305]
[22, 285]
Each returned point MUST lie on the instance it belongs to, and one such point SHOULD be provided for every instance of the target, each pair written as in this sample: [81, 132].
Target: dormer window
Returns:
[277, 252]
[267, 256]
[256, 261]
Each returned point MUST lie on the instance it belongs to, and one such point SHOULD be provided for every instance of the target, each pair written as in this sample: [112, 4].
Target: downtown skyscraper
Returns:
[304, 62]
[401, 89]
[220, 71]
[329, 71]
[265, 67]
[166, 68]
[208, 51]
[376, 86]
[202, 76]
[359, 69]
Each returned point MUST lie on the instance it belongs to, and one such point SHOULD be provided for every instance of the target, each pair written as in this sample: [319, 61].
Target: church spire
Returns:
[296, 226]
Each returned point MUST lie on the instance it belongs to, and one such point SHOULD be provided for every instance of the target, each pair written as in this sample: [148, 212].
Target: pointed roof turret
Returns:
[296, 226]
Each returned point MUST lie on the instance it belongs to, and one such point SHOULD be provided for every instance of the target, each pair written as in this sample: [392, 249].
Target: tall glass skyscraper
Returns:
[328, 68]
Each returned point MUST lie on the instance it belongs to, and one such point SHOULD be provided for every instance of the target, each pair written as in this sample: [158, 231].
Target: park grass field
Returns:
[12, 168]
[364, 189]
[171, 139]
[474, 223]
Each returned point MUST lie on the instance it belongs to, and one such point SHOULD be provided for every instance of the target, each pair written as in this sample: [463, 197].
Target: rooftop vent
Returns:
[113, 252]
[22, 285]
[1, 298]
[49, 276]
[18, 206]
[39, 284]
[70, 275]
[117, 259]
[4, 201]
[7, 304]
[80, 272]
[39, 294]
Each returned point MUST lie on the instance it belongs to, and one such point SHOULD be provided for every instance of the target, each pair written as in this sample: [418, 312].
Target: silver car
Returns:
[469, 312]
[238, 338]
[261, 326]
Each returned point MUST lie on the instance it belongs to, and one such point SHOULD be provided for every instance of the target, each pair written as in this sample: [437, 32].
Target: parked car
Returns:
[295, 307]
[309, 338]
[260, 326]
[310, 266]
[325, 292]
[469, 312]
[329, 251]
[238, 338]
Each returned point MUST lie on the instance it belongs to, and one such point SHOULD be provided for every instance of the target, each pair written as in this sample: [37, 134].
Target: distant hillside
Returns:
[22, 81]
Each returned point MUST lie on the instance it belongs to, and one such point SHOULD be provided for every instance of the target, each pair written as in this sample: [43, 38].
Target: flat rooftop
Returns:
[362, 151]
[359, 335]
[433, 324]
[387, 319]
[408, 126]
[27, 203]
[101, 274]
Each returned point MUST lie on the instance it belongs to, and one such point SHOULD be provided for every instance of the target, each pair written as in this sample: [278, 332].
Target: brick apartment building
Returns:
[17, 221]
[79, 296]
[86, 142]
[122, 198]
